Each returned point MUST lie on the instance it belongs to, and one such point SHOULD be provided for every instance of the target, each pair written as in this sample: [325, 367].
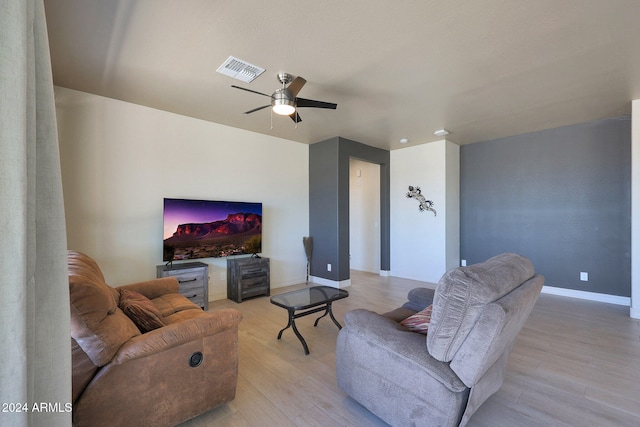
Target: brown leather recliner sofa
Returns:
[122, 376]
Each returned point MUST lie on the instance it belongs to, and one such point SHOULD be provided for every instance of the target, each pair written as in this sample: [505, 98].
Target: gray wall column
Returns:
[329, 204]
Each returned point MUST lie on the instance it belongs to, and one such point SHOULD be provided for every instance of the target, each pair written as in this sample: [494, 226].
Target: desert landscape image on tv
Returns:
[210, 229]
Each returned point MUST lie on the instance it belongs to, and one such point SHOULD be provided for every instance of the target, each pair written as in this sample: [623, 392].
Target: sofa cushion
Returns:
[173, 303]
[97, 324]
[141, 310]
[419, 322]
[461, 295]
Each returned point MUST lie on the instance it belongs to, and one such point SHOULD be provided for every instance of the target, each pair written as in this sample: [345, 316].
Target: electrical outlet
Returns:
[584, 276]
[328, 267]
[463, 262]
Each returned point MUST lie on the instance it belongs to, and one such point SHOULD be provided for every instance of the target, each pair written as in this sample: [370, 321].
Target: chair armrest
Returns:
[201, 325]
[154, 288]
[376, 326]
[419, 299]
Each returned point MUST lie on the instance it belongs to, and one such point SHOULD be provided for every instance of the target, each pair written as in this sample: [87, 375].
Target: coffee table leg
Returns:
[325, 313]
[292, 323]
[288, 325]
[304, 343]
[333, 318]
[328, 311]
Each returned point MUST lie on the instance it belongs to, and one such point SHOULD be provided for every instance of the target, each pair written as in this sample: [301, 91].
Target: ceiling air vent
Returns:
[239, 69]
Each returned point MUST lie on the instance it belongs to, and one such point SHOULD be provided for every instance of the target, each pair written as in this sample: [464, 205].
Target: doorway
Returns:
[364, 216]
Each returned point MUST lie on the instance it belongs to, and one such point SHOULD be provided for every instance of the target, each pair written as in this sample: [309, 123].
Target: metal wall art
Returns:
[424, 204]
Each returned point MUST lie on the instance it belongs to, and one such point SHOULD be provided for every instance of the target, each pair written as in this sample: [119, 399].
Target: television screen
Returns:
[208, 229]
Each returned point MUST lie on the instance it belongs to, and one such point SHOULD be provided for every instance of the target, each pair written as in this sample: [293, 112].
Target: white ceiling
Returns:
[397, 69]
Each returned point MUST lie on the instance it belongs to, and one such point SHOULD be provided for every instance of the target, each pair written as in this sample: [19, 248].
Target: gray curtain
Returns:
[35, 355]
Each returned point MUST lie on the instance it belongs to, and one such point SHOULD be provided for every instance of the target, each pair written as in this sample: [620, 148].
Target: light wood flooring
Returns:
[575, 363]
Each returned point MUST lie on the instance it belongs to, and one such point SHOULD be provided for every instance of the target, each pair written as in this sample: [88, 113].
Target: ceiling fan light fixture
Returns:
[284, 101]
[282, 104]
[284, 109]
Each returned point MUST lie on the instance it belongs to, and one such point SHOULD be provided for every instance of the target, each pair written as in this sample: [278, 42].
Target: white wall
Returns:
[424, 246]
[119, 160]
[364, 216]
[635, 209]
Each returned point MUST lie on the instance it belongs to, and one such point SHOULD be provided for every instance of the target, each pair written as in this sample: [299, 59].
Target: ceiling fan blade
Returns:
[257, 109]
[302, 102]
[295, 86]
[249, 90]
[295, 117]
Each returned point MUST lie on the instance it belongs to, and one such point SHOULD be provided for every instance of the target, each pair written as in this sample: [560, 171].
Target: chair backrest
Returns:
[97, 323]
[479, 310]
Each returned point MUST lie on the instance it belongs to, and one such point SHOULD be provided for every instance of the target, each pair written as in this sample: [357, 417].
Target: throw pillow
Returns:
[419, 322]
[141, 310]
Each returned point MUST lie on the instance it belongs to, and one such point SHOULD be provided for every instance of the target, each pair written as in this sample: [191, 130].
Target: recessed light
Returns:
[441, 132]
[403, 140]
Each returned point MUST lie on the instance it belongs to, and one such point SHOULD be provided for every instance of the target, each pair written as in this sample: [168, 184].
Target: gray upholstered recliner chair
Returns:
[441, 380]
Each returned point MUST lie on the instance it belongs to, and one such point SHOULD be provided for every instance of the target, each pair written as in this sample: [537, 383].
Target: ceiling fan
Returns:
[284, 101]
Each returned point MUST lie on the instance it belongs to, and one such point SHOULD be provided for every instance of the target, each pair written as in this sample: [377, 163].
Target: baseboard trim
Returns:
[333, 283]
[385, 273]
[591, 296]
[634, 313]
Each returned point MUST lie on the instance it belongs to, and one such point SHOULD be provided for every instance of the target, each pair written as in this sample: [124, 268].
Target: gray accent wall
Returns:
[329, 204]
[561, 197]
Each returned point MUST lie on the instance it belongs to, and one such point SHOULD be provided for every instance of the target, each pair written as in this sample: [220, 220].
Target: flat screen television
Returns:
[210, 229]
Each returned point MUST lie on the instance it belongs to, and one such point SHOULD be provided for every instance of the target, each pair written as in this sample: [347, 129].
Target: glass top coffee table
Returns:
[313, 300]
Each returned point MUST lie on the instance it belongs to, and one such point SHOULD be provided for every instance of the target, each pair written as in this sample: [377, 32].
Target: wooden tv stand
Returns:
[193, 278]
[247, 277]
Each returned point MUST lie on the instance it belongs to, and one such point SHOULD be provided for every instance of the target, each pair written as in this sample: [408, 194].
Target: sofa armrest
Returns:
[419, 299]
[154, 288]
[201, 325]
